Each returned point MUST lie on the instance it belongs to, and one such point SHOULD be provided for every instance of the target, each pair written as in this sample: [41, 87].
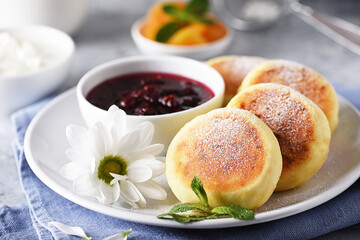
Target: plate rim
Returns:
[148, 219]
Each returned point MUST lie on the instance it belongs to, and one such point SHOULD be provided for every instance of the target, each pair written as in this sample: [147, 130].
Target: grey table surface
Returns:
[105, 35]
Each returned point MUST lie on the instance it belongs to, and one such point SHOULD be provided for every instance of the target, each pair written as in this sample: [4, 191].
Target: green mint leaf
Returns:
[198, 189]
[171, 9]
[184, 207]
[179, 14]
[235, 211]
[203, 208]
[165, 216]
[204, 20]
[167, 31]
[185, 218]
[124, 234]
[197, 7]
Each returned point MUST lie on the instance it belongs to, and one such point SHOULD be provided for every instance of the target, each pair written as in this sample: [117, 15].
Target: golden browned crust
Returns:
[301, 78]
[287, 117]
[225, 151]
[235, 154]
[294, 120]
[233, 69]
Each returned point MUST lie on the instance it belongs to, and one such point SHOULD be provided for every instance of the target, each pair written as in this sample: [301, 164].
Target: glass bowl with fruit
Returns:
[181, 28]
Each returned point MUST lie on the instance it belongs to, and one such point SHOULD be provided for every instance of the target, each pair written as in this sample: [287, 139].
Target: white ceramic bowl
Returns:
[166, 125]
[200, 52]
[65, 15]
[22, 89]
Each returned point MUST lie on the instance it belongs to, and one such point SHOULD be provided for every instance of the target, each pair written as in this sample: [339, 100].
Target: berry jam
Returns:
[149, 93]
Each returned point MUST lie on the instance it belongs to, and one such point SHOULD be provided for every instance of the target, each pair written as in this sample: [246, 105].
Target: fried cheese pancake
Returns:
[233, 69]
[234, 153]
[301, 78]
[299, 125]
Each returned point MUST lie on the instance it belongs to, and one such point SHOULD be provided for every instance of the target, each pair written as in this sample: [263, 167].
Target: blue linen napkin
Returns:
[29, 221]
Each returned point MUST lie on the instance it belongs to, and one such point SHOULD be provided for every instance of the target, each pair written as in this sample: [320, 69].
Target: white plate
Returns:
[45, 145]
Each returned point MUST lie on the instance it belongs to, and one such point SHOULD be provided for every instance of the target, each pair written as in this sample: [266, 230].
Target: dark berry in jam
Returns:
[149, 93]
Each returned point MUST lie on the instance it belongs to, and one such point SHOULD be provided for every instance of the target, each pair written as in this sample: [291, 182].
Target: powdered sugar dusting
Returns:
[225, 151]
[301, 78]
[234, 70]
[287, 117]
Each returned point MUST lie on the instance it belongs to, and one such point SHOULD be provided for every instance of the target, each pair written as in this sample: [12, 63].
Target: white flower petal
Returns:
[139, 173]
[111, 112]
[114, 181]
[115, 113]
[102, 200]
[116, 190]
[77, 156]
[137, 156]
[117, 127]
[106, 138]
[82, 185]
[129, 141]
[117, 119]
[147, 133]
[142, 201]
[117, 178]
[161, 159]
[93, 165]
[97, 144]
[123, 198]
[71, 171]
[153, 149]
[151, 189]
[119, 236]
[110, 192]
[126, 200]
[94, 181]
[157, 167]
[127, 189]
[75, 231]
[77, 136]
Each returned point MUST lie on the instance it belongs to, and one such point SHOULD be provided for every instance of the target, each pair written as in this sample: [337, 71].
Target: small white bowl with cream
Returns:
[65, 15]
[34, 61]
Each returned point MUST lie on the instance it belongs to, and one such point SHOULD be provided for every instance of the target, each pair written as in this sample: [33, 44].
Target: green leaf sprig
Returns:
[194, 11]
[189, 212]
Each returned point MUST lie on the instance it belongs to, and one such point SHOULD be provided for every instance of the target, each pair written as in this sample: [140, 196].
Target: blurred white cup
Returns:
[66, 15]
[251, 15]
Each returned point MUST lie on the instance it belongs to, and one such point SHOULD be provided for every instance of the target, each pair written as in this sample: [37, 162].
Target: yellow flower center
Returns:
[111, 164]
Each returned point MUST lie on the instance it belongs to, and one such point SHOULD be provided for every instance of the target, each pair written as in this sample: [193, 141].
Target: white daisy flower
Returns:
[111, 162]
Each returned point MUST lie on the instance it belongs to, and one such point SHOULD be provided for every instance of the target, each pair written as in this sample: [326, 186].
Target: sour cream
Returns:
[18, 56]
